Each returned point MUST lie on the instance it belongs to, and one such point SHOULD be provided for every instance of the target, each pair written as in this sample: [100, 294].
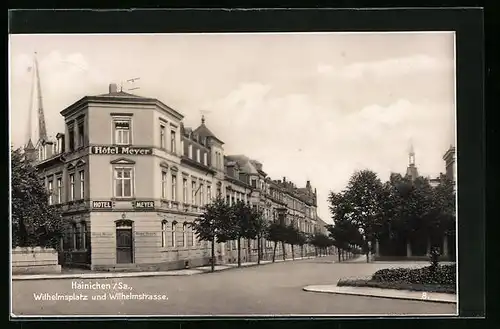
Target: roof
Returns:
[203, 131]
[244, 163]
[119, 94]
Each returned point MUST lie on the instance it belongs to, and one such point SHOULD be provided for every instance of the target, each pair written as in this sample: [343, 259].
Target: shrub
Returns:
[450, 289]
[445, 275]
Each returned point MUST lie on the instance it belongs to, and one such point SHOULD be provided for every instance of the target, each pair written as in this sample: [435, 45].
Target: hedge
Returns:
[441, 274]
[450, 289]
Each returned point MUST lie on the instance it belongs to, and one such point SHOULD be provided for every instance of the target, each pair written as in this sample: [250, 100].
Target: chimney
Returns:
[284, 179]
[113, 88]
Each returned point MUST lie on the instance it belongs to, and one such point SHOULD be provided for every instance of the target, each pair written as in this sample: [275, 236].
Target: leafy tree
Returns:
[258, 230]
[292, 236]
[242, 225]
[213, 223]
[34, 221]
[301, 242]
[276, 233]
[364, 195]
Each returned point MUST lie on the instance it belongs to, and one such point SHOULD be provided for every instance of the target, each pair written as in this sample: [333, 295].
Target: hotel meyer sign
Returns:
[117, 149]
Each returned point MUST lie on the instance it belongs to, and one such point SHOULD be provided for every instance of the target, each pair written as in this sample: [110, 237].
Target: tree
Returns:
[276, 233]
[258, 230]
[242, 225]
[213, 223]
[364, 195]
[291, 236]
[34, 221]
[301, 241]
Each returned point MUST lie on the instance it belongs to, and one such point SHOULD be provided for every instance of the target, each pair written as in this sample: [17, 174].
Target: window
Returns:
[83, 235]
[172, 141]
[71, 138]
[182, 148]
[219, 192]
[123, 182]
[184, 234]
[209, 194]
[164, 184]
[254, 183]
[190, 151]
[164, 234]
[163, 131]
[81, 134]
[51, 192]
[205, 158]
[198, 155]
[217, 160]
[75, 236]
[82, 184]
[193, 238]
[184, 190]
[71, 187]
[174, 188]
[202, 200]
[193, 193]
[174, 228]
[122, 132]
[59, 190]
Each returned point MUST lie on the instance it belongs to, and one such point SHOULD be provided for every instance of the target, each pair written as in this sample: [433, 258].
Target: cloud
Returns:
[64, 79]
[294, 136]
[392, 67]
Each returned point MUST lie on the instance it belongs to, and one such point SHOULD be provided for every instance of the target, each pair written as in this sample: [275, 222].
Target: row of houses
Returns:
[129, 177]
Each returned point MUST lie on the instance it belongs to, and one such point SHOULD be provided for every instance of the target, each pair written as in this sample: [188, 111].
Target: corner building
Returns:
[129, 178]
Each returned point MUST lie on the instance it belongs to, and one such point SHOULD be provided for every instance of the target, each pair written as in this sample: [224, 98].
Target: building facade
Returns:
[129, 178]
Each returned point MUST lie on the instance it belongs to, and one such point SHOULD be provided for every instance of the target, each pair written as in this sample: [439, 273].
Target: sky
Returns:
[311, 106]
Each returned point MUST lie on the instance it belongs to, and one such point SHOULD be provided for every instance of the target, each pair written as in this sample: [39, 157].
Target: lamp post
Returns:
[362, 232]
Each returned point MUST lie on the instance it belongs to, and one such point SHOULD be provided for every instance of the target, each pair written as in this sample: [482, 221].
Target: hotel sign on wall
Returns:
[123, 150]
[102, 204]
[144, 204]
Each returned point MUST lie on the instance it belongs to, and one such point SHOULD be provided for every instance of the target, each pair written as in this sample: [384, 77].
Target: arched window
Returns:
[174, 228]
[164, 234]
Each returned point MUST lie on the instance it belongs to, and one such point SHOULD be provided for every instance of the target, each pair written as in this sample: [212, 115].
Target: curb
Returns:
[385, 293]
[112, 275]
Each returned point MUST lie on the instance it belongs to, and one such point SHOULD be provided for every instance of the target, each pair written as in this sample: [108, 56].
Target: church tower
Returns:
[411, 171]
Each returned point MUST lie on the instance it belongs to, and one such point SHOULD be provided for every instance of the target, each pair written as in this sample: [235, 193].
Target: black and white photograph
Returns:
[233, 174]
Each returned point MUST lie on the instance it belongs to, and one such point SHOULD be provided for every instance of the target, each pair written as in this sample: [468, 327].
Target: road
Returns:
[263, 290]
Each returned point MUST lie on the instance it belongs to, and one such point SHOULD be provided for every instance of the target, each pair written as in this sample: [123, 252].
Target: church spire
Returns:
[411, 171]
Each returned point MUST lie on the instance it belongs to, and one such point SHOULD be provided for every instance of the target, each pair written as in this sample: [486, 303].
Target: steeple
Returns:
[411, 171]
[202, 119]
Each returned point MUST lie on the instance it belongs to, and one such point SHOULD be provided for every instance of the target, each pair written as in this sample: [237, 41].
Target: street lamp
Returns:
[362, 232]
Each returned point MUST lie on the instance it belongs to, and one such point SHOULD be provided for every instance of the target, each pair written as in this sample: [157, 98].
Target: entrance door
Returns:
[124, 243]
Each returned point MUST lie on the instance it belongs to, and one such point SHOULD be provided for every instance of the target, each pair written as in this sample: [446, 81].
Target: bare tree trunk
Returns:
[283, 248]
[274, 250]
[213, 256]
[302, 251]
[293, 253]
[239, 251]
[339, 252]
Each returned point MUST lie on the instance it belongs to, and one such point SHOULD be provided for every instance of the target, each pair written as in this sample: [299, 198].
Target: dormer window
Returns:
[198, 155]
[205, 158]
[190, 151]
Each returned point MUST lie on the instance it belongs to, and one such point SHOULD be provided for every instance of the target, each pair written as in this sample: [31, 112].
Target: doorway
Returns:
[124, 242]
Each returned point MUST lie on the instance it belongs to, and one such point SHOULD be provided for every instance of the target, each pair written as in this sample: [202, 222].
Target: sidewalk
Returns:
[110, 275]
[385, 293]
